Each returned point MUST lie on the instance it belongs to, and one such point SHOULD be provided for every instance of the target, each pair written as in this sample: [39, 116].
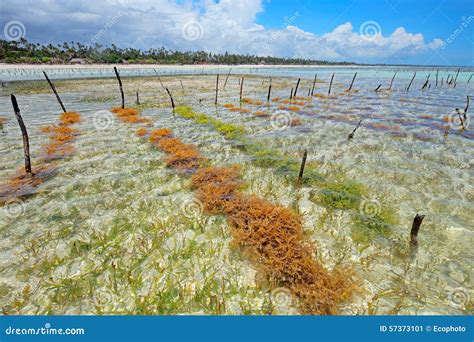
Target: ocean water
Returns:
[116, 231]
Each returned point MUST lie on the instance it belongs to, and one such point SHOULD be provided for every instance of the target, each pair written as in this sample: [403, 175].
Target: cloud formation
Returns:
[227, 25]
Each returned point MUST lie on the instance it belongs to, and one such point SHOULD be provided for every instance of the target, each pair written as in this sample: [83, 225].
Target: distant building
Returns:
[77, 61]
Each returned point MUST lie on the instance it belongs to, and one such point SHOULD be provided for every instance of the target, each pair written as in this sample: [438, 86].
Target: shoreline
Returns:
[8, 66]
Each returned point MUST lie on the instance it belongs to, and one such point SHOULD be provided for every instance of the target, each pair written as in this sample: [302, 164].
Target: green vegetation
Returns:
[341, 194]
[24, 52]
[229, 131]
[366, 227]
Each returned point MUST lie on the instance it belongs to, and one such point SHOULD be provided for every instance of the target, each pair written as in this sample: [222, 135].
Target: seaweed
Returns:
[367, 227]
[272, 236]
[341, 194]
[141, 132]
[68, 118]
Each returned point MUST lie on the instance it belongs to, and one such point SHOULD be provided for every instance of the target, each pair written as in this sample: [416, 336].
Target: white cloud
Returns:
[227, 25]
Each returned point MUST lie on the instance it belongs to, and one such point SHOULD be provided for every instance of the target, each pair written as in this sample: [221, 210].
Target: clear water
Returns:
[115, 231]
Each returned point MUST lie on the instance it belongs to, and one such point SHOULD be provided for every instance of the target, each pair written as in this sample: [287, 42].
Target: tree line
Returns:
[22, 51]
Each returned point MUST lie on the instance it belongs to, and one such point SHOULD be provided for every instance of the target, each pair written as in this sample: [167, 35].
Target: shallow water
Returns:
[115, 231]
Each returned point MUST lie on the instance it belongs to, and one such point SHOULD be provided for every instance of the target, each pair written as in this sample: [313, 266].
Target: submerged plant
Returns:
[160, 133]
[368, 227]
[69, 118]
[341, 194]
[141, 132]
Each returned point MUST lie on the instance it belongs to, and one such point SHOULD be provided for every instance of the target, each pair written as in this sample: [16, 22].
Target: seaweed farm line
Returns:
[148, 213]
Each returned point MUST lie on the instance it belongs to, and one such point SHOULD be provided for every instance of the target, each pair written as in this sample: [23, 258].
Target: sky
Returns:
[424, 32]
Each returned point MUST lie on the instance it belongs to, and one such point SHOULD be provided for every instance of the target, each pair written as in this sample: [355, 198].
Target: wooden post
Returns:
[217, 88]
[291, 94]
[426, 83]
[269, 92]
[409, 85]
[24, 133]
[456, 78]
[330, 85]
[437, 72]
[391, 82]
[227, 77]
[241, 88]
[55, 92]
[121, 88]
[378, 88]
[314, 83]
[159, 79]
[469, 78]
[355, 129]
[138, 99]
[297, 85]
[353, 79]
[171, 97]
[415, 228]
[303, 163]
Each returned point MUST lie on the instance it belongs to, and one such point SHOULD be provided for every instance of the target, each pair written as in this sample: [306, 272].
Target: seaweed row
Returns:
[59, 146]
[61, 136]
[269, 234]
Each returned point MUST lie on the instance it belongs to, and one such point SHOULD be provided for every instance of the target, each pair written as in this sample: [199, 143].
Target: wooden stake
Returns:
[303, 163]
[355, 129]
[391, 82]
[330, 85]
[409, 85]
[456, 78]
[437, 72]
[171, 97]
[138, 99]
[353, 79]
[269, 92]
[24, 133]
[120, 85]
[377, 89]
[217, 88]
[426, 83]
[314, 82]
[227, 77]
[297, 85]
[291, 94]
[469, 78]
[241, 88]
[415, 228]
[55, 92]
[159, 79]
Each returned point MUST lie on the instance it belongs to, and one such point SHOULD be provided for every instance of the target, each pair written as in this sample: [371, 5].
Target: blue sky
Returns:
[427, 32]
[433, 18]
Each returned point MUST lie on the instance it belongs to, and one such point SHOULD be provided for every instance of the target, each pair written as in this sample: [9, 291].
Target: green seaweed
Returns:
[341, 194]
[366, 228]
